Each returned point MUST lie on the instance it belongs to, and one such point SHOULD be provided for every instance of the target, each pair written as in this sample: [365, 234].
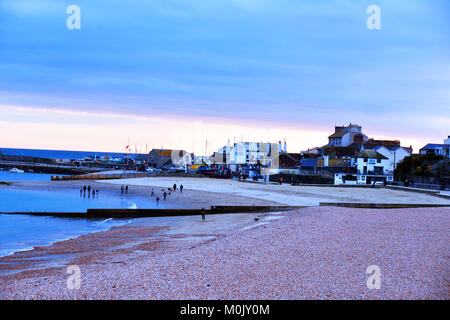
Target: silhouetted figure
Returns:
[84, 189]
[89, 189]
[126, 189]
[174, 188]
[157, 201]
[165, 195]
[152, 194]
[203, 214]
[93, 193]
[122, 188]
[81, 192]
[181, 188]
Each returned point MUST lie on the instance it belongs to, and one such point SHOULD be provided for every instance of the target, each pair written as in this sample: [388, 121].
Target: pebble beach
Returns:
[309, 253]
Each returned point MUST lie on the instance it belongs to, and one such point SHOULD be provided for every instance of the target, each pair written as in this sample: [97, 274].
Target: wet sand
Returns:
[188, 199]
[60, 253]
[310, 253]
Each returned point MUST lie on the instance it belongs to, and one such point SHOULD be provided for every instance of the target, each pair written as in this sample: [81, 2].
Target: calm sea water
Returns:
[23, 232]
[26, 176]
[63, 154]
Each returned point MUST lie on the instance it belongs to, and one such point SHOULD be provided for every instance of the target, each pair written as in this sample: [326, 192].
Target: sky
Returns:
[193, 74]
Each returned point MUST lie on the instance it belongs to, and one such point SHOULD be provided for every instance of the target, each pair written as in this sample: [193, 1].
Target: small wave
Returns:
[106, 220]
[133, 206]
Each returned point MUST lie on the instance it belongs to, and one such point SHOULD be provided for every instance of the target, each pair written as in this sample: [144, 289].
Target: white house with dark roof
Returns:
[371, 167]
[344, 136]
[394, 155]
[437, 149]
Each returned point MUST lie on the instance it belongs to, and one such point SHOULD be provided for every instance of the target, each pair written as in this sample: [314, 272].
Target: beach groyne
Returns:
[148, 213]
[381, 205]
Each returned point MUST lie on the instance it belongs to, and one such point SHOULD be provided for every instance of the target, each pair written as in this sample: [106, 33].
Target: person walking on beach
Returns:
[93, 193]
[281, 180]
[165, 195]
[81, 192]
[174, 187]
[121, 189]
[89, 189]
[152, 194]
[157, 201]
[84, 189]
[181, 188]
[126, 189]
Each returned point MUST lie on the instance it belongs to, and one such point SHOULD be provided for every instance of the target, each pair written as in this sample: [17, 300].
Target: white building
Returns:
[447, 141]
[372, 162]
[394, 155]
[246, 153]
[371, 167]
[345, 136]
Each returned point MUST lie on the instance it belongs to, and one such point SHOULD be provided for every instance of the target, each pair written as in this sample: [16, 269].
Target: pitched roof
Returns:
[370, 154]
[289, 159]
[338, 134]
[432, 146]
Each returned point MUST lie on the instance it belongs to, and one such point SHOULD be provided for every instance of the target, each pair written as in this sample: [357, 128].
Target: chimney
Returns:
[279, 146]
[285, 146]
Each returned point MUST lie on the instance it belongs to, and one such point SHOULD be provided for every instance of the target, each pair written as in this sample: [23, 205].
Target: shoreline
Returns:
[188, 199]
[49, 243]
[187, 258]
[310, 253]
[178, 200]
[137, 234]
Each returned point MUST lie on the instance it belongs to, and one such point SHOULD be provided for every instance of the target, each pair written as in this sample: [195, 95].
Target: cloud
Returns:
[307, 64]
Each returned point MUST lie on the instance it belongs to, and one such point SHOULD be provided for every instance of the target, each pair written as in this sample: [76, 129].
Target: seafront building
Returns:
[437, 149]
[351, 157]
[256, 159]
[169, 158]
[344, 136]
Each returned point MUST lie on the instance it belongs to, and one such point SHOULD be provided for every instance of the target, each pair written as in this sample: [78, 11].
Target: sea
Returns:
[64, 154]
[24, 232]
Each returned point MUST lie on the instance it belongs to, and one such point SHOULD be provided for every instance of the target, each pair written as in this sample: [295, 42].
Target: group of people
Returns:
[166, 193]
[88, 189]
[124, 189]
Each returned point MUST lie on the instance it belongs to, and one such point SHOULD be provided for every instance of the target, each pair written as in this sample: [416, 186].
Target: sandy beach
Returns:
[189, 198]
[285, 193]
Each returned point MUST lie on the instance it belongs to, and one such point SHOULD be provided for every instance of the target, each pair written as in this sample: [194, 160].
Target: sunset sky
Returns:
[177, 73]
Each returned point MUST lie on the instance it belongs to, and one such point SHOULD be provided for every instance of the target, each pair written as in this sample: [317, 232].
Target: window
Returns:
[378, 160]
